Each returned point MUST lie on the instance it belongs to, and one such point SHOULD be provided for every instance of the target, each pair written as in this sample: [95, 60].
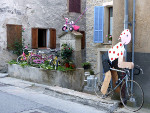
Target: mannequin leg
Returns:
[114, 79]
[106, 82]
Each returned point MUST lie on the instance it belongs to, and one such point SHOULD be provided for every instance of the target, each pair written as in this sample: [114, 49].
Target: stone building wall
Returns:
[34, 14]
[91, 47]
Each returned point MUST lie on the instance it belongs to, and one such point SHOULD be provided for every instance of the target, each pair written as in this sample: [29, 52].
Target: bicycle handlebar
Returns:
[140, 70]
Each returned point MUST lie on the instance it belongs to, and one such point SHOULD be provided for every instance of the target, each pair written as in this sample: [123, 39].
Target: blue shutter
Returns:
[98, 24]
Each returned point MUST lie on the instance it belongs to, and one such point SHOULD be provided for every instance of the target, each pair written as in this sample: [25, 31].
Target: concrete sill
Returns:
[107, 43]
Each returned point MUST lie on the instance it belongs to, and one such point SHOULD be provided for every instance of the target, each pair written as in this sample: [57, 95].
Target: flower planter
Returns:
[69, 79]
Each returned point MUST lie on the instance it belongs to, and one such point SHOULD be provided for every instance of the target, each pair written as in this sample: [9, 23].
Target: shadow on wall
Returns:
[142, 59]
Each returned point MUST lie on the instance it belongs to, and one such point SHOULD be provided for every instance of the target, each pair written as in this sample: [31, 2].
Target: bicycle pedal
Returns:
[104, 96]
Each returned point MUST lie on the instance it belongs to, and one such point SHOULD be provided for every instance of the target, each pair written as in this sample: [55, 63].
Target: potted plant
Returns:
[86, 65]
[109, 37]
[66, 53]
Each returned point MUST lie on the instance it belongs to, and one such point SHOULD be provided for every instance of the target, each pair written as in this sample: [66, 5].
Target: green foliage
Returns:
[86, 65]
[60, 68]
[17, 47]
[109, 37]
[12, 62]
[24, 64]
[66, 52]
[46, 66]
[91, 72]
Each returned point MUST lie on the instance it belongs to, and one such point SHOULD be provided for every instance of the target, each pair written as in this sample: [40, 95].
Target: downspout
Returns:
[133, 36]
[126, 22]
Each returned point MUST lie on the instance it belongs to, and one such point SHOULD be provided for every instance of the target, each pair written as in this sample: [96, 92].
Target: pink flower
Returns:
[106, 35]
[26, 47]
[110, 36]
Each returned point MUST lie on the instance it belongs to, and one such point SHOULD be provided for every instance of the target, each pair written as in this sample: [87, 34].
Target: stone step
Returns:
[64, 93]
[3, 75]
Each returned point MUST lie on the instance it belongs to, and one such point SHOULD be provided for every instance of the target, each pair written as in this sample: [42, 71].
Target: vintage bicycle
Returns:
[23, 56]
[131, 93]
[54, 61]
[38, 58]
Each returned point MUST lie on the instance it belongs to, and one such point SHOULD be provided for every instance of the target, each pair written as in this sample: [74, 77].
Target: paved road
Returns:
[17, 100]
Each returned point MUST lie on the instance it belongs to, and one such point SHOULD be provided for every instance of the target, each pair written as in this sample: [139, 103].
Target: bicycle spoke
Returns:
[21, 59]
[132, 99]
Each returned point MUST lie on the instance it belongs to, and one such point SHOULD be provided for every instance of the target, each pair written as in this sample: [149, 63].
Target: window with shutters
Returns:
[14, 33]
[98, 24]
[103, 23]
[43, 38]
[74, 6]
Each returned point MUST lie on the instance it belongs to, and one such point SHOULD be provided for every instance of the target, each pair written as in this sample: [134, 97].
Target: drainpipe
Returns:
[126, 22]
[133, 36]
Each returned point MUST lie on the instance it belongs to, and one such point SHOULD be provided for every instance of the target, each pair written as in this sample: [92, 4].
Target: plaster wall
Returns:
[34, 14]
[142, 41]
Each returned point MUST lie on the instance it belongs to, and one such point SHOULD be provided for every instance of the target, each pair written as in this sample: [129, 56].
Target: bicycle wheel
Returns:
[21, 59]
[132, 99]
[51, 62]
[35, 60]
[57, 64]
[97, 88]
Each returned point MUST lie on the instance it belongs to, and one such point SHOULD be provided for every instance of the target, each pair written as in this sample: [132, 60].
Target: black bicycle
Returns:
[131, 93]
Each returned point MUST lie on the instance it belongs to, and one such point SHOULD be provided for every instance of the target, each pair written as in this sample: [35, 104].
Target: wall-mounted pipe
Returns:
[126, 21]
[133, 36]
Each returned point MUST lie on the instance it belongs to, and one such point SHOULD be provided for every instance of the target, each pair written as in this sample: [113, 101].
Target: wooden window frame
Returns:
[83, 40]
[109, 20]
[34, 34]
[52, 40]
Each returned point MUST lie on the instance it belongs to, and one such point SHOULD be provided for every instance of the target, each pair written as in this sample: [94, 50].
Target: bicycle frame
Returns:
[126, 77]
[23, 56]
[40, 60]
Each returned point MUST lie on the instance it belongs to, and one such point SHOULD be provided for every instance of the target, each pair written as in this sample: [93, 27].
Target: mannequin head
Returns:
[125, 37]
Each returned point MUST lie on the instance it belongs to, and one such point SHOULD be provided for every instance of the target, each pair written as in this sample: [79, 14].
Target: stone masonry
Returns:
[91, 47]
[34, 14]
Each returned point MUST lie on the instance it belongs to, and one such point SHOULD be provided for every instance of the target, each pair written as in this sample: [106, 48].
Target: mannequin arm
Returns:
[123, 64]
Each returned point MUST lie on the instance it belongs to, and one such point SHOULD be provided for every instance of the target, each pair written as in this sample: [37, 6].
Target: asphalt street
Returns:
[17, 100]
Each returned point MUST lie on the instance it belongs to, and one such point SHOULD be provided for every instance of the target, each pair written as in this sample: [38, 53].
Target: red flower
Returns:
[69, 48]
[64, 48]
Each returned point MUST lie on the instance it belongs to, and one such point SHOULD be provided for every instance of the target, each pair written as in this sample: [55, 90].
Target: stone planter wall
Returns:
[70, 79]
